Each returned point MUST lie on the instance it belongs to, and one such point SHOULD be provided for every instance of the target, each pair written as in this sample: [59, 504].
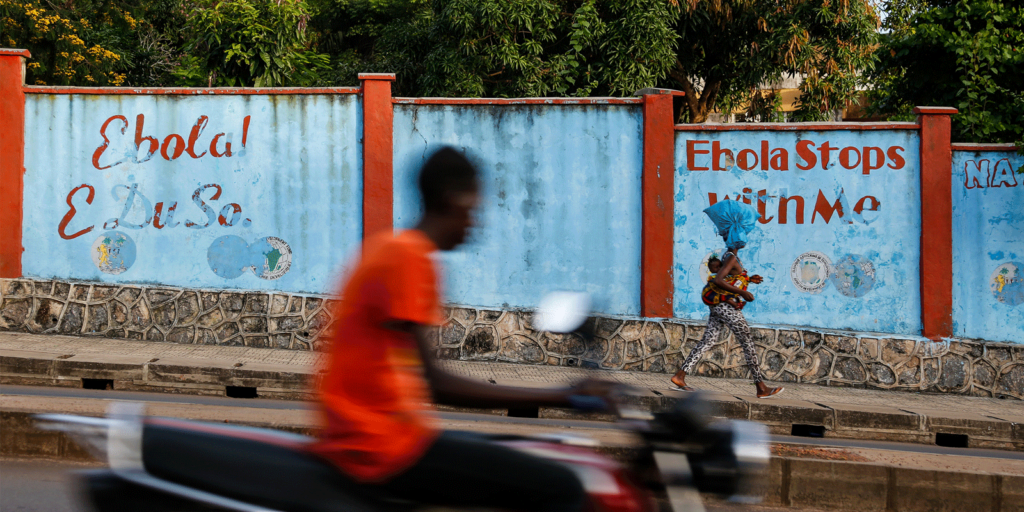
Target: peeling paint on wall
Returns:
[988, 246]
[840, 228]
[143, 189]
[561, 199]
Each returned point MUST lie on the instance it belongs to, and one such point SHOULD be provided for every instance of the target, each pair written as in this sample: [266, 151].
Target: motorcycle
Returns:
[164, 464]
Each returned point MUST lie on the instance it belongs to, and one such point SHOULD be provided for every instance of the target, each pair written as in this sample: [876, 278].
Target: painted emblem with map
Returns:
[113, 252]
[277, 258]
[1007, 283]
[810, 272]
[853, 275]
[230, 256]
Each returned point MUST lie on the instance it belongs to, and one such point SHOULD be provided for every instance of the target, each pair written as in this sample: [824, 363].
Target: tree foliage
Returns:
[372, 36]
[68, 45]
[542, 47]
[256, 43]
[721, 52]
[729, 49]
[964, 54]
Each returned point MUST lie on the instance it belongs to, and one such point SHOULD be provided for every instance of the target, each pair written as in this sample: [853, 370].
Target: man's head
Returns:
[450, 188]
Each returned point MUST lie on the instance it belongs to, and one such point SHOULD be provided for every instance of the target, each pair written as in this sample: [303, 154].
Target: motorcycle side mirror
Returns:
[562, 312]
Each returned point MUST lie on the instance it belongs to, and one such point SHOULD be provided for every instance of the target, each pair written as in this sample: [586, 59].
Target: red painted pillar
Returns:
[12, 158]
[936, 221]
[378, 153]
[658, 192]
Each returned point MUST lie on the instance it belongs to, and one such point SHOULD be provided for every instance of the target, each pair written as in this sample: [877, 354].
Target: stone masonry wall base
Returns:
[293, 321]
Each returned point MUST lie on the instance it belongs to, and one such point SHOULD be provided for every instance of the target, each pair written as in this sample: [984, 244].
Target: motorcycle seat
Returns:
[262, 467]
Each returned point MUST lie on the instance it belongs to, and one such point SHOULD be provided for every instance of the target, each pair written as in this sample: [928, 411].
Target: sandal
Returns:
[772, 392]
[676, 387]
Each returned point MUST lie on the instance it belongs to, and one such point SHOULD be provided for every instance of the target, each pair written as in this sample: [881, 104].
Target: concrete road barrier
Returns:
[867, 487]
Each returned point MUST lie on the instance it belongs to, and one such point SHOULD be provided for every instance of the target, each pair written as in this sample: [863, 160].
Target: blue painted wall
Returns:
[873, 254]
[988, 246]
[562, 187]
[296, 186]
[562, 199]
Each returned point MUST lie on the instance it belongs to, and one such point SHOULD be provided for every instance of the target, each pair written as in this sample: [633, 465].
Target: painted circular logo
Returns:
[1007, 283]
[230, 256]
[113, 252]
[810, 272]
[853, 275]
[704, 272]
[277, 257]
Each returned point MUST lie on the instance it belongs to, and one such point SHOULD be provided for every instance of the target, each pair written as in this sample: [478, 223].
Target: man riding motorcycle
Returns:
[375, 395]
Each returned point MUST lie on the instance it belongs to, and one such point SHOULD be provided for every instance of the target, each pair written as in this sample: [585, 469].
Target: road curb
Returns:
[142, 373]
[281, 381]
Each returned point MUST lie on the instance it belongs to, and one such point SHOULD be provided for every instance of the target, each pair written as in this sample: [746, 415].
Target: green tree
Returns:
[728, 49]
[899, 13]
[503, 48]
[547, 47]
[255, 43]
[156, 45]
[963, 54]
[372, 36]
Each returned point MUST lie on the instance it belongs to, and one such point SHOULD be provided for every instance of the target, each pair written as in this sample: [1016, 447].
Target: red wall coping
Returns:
[15, 51]
[970, 146]
[518, 101]
[377, 76]
[190, 91]
[794, 127]
[935, 110]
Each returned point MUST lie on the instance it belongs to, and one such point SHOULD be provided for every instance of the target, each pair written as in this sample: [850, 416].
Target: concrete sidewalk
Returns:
[274, 373]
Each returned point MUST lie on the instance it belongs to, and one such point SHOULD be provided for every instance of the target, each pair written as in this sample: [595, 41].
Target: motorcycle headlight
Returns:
[732, 458]
[89, 433]
[750, 447]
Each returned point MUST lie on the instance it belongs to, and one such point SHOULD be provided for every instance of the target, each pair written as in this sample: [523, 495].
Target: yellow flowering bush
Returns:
[66, 48]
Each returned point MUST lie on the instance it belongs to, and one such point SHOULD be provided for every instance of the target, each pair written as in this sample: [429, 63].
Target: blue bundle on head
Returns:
[733, 220]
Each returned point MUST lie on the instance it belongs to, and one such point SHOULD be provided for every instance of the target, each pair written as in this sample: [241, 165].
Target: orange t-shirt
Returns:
[374, 397]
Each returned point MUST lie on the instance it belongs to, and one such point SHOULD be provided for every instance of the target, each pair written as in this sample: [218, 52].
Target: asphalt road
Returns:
[258, 403]
[47, 486]
[39, 486]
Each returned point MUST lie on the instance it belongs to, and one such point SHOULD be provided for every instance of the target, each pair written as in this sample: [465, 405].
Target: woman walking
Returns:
[725, 292]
